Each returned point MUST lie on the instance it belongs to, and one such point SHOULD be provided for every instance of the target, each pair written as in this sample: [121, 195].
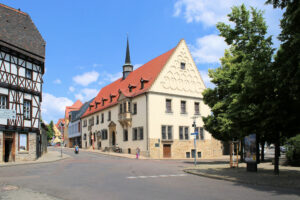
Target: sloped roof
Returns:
[19, 32]
[59, 121]
[75, 106]
[75, 115]
[148, 72]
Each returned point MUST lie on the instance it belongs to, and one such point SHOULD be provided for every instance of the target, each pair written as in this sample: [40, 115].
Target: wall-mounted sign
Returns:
[156, 144]
[250, 148]
[7, 114]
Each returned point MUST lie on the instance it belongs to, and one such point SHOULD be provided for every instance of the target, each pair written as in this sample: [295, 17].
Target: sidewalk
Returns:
[50, 156]
[289, 177]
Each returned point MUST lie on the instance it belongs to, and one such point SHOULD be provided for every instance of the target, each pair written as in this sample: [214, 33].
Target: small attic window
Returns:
[103, 101]
[182, 65]
[143, 83]
[111, 97]
[131, 87]
[96, 103]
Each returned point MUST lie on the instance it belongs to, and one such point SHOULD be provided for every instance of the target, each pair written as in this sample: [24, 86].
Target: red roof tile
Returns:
[76, 106]
[58, 122]
[148, 71]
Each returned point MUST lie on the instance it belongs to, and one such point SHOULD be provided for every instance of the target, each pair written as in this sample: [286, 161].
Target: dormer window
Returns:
[131, 87]
[96, 103]
[182, 65]
[111, 97]
[90, 106]
[143, 83]
[103, 100]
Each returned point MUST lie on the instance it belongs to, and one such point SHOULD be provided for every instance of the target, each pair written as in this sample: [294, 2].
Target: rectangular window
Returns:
[183, 107]
[188, 154]
[78, 126]
[23, 142]
[124, 107]
[134, 108]
[85, 123]
[104, 134]
[182, 65]
[163, 133]
[91, 121]
[28, 73]
[97, 119]
[183, 132]
[102, 118]
[197, 110]
[125, 135]
[27, 109]
[129, 106]
[168, 105]
[109, 116]
[201, 133]
[120, 108]
[134, 133]
[3, 102]
[141, 133]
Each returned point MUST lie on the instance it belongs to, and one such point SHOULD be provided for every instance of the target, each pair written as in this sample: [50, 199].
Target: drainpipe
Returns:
[147, 129]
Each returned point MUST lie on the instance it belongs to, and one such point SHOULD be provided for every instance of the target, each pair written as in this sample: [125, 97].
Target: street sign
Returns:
[7, 114]
[196, 133]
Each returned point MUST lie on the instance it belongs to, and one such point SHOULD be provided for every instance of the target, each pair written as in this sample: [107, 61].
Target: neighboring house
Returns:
[74, 130]
[151, 108]
[76, 106]
[22, 60]
[60, 125]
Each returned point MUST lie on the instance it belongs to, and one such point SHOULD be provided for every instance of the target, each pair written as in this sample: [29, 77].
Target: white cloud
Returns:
[210, 12]
[53, 107]
[86, 78]
[86, 94]
[111, 77]
[206, 79]
[71, 89]
[208, 49]
[57, 81]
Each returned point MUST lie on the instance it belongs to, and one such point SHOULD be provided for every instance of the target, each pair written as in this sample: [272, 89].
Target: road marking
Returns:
[156, 176]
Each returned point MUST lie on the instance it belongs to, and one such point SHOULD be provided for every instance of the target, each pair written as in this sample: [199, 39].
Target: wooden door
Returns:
[167, 150]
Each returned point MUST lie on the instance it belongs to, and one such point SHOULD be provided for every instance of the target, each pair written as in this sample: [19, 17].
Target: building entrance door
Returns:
[167, 150]
[9, 147]
[112, 134]
[113, 139]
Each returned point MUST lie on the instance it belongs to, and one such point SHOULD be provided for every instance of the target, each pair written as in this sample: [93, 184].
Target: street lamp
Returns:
[195, 138]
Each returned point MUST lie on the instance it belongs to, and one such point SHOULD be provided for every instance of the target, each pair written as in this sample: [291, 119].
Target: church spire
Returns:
[127, 67]
[127, 59]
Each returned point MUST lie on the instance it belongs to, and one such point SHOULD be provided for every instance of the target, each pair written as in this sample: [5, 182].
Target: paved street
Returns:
[95, 176]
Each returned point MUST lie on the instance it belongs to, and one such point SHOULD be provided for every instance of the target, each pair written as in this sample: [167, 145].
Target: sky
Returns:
[86, 40]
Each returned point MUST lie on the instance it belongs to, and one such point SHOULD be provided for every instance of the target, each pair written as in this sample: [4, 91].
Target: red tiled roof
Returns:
[148, 71]
[76, 106]
[58, 122]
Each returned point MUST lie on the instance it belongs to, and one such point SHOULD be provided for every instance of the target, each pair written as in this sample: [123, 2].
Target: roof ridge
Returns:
[13, 9]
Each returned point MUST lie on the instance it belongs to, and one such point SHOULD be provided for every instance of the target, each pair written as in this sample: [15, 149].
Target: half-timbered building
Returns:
[22, 58]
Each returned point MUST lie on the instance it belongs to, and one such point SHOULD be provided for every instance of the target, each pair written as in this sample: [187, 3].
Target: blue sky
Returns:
[86, 40]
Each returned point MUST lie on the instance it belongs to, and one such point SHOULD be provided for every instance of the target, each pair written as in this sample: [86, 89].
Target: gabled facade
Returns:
[76, 106]
[151, 108]
[74, 129]
[22, 57]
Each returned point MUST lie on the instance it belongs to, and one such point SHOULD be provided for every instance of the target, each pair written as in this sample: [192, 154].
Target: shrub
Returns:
[293, 151]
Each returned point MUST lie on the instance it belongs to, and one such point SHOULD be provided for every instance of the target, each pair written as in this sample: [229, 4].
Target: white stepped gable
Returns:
[175, 80]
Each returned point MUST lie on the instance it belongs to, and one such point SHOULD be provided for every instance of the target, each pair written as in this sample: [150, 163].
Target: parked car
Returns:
[282, 149]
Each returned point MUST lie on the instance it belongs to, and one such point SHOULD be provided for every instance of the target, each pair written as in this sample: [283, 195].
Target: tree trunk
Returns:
[257, 150]
[262, 151]
[277, 154]
[242, 150]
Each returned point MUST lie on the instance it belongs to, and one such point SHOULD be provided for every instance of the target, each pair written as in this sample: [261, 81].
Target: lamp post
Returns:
[195, 138]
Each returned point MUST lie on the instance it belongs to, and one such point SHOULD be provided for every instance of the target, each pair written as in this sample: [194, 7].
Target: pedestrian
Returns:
[137, 152]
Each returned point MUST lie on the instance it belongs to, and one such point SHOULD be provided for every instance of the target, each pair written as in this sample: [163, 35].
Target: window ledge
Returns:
[169, 112]
[185, 113]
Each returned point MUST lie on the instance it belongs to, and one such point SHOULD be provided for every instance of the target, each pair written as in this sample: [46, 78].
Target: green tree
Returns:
[50, 132]
[285, 87]
[237, 100]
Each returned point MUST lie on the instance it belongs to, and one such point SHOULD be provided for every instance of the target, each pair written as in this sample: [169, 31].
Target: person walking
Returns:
[137, 152]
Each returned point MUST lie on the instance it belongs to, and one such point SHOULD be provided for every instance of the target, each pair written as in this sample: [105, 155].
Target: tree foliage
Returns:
[50, 132]
[236, 99]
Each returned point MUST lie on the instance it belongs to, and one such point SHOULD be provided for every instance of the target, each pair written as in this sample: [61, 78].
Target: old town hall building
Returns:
[151, 108]
[22, 57]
